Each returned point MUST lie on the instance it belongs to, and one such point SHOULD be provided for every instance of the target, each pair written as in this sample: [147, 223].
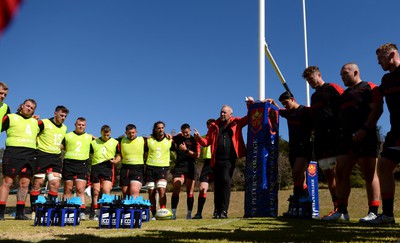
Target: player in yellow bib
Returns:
[76, 158]
[131, 150]
[19, 155]
[157, 165]
[48, 153]
[4, 109]
[105, 156]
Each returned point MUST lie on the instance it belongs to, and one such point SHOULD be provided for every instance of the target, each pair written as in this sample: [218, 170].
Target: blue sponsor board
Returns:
[312, 183]
[261, 172]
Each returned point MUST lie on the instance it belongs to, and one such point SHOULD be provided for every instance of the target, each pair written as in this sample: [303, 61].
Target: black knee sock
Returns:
[201, 202]
[387, 207]
[174, 201]
[342, 208]
[305, 192]
[33, 199]
[298, 190]
[334, 200]
[20, 209]
[373, 209]
[190, 202]
[2, 209]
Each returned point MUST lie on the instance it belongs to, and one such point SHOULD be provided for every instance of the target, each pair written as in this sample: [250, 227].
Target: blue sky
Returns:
[179, 61]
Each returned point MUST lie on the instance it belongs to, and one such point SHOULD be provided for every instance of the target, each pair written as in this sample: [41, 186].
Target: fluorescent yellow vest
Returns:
[103, 151]
[3, 111]
[132, 151]
[77, 146]
[49, 140]
[206, 151]
[159, 152]
[22, 132]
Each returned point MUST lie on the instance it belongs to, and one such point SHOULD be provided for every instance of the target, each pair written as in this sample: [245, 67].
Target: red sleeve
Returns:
[119, 148]
[198, 148]
[4, 118]
[41, 125]
[203, 141]
[376, 94]
[337, 88]
[8, 9]
[243, 121]
[206, 141]
[5, 123]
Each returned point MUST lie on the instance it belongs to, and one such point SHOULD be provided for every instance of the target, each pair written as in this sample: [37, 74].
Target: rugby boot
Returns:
[369, 217]
[197, 216]
[382, 220]
[22, 217]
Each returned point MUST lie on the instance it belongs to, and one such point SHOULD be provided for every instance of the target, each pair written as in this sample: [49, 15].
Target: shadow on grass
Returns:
[259, 230]
[317, 230]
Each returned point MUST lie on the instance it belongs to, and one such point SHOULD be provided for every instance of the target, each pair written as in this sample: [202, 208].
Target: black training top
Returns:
[300, 124]
[390, 89]
[355, 105]
[325, 107]
[191, 144]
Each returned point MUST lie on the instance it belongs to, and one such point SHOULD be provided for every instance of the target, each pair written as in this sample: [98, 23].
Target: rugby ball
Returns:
[163, 214]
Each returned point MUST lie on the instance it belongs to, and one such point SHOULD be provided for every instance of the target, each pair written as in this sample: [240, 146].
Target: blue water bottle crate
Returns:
[57, 213]
[123, 213]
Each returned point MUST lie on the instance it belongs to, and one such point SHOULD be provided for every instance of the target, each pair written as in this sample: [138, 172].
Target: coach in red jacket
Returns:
[227, 144]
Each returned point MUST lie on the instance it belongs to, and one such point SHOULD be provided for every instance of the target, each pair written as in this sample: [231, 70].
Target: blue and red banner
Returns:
[312, 184]
[261, 172]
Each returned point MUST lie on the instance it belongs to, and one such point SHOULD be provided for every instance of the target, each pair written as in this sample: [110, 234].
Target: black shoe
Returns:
[2, 217]
[22, 217]
[197, 216]
[287, 214]
[216, 215]
[223, 215]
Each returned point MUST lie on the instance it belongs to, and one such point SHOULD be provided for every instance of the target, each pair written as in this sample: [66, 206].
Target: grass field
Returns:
[234, 229]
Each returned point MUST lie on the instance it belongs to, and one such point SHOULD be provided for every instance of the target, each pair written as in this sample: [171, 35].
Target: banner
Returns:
[261, 172]
[312, 184]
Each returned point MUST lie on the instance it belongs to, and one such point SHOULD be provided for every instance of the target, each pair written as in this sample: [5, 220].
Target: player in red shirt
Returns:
[358, 142]
[388, 58]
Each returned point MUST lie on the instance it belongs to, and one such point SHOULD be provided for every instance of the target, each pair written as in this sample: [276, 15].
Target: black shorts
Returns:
[155, 173]
[325, 144]
[131, 173]
[13, 167]
[299, 150]
[47, 163]
[102, 172]
[369, 147]
[185, 170]
[18, 160]
[206, 174]
[391, 147]
[74, 169]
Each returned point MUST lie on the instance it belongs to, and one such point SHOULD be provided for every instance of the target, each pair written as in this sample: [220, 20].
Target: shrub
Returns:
[285, 178]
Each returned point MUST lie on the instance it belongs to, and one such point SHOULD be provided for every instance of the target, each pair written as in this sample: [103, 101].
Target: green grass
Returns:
[234, 229]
